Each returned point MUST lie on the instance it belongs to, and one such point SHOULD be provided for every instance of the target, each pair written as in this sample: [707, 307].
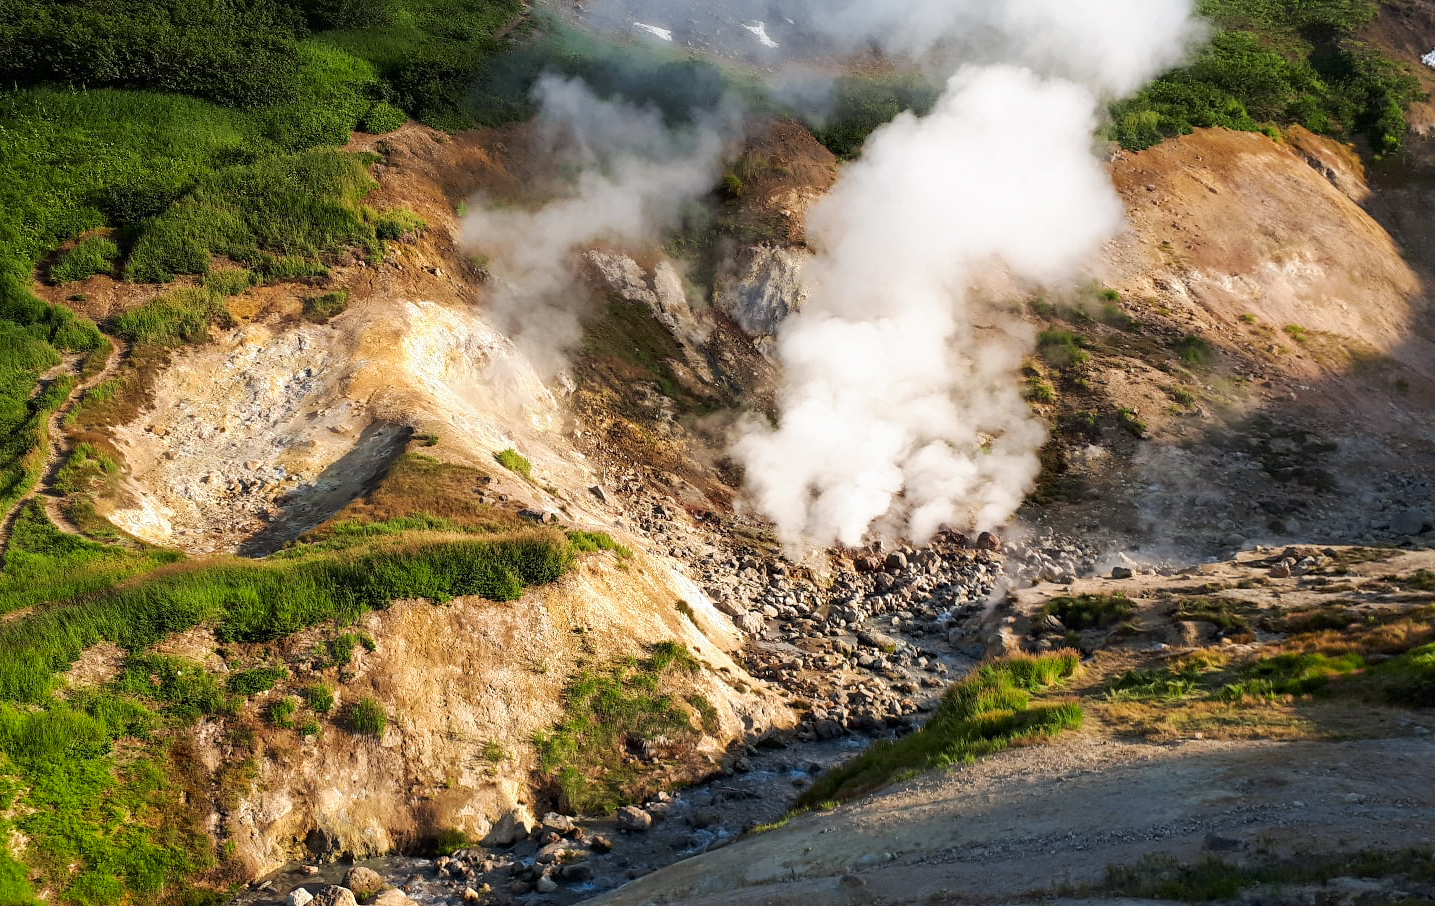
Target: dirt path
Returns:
[57, 445]
[1048, 818]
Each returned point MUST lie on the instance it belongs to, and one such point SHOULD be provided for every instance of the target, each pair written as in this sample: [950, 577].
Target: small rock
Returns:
[599, 843]
[1122, 572]
[364, 882]
[472, 896]
[633, 819]
[597, 491]
[334, 895]
[393, 897]
[577, 872]
[298, 897]
[895, 562]
[545, 884]
[1280, 571]
[558, 824]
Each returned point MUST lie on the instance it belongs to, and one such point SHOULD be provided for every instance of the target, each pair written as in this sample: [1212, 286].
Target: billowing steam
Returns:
[634, 175]
[899, 411]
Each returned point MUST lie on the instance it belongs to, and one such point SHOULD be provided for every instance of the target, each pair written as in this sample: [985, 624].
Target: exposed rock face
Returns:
[765, 288]
[454, 676]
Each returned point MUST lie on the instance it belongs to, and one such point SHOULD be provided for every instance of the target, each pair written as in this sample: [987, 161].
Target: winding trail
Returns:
[57, 444]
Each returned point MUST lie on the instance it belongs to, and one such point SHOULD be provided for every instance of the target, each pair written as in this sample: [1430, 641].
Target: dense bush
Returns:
[366, 717]
[383, 117]
[1278, 61]
[95, 255]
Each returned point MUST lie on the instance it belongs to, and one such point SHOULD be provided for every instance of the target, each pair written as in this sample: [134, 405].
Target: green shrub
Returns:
[591, 542]
[183, 688]
[398, 223]
[176, 318]
[862, 104]
[304, 205]
[1090, 611]
[1195, 351]
[1062, 349]
[321, 308]
[253, 682]
[981, 715]
[95, 255]
[514, 461]
[281, 712]
[229, 282]
[383, 117]
[320, 697]
[366, 717]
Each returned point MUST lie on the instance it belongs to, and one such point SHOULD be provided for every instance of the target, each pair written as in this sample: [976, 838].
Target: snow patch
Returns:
[665, 33]
[759, 30]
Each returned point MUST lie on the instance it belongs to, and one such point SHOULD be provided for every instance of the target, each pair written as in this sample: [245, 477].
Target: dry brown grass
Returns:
[418, 484]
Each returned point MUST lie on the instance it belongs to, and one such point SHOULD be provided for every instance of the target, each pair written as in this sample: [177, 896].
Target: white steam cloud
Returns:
[634, 175]
[899, 412]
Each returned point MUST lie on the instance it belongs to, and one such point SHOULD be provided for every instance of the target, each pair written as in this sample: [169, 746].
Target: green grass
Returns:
[978, 716]
[1297, 333]
[1061, 348]
[382, 117]
[319, 697]
[584, 757]
[591, 542]
[177, 318]
[95, 255]
[860, 104]
[366, 717]
[252, 682]
[514, 462]
[321, 308]
[87, 469]
[301, 205]
[1090, 611]
[1169, 683]
[229, 282]
[281, 713]
[1278, 62]
[398, 223]
[1195, 351]
[1225, 614]
[1290, 674]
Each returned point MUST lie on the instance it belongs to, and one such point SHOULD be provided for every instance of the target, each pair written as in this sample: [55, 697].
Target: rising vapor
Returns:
[635, 173]
[899, 413]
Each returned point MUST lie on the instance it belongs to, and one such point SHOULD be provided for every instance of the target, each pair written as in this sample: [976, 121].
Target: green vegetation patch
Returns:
[1278, 62]
[1061, 348]
[514, 462]
[304, 205]
[255, 681]
[95, 255]
[323, 307]
[979, 716]
[592, 758]
[1225, 613]
[861, 104]
[366, 717]
[1090, 611]
[591, 542]
[177, 318]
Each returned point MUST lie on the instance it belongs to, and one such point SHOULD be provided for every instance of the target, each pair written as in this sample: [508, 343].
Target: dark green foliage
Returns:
[449, 840]
[585, 756]
[1290, 674]
[253, 682]
[861, 104]
[981, 715]
[321, 308]
[1159, 683]
[1195, 351]
[339, 651]
[382, 117]
[1220, 611]
[366, 717]
[1409, 679]
[319, 697]
[1090, 611]
[1281, 61]
[281, 713]
[183, 689]
[95, 255]
[303, 205]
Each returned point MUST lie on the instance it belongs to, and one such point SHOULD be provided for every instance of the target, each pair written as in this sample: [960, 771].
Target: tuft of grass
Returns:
[253, 682]
[979, 716]
[514, 462]
[586, 757]
[1039, 390]
[1290, 674]
[398, 223]
[1090, 611]
[1297, 333]
[1220, 611]
[95, 255]
[281, 713]
[1130, 422]
[591, 542]
[229, 282]
[1062, 348]
[1195, 351]
[319, 697]
[323, 307]
[366, 717]
[174, 319]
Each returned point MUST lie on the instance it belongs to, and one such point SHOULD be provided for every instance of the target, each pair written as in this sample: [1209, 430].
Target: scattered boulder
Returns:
[364, 882]
[298, 897]
[333, 895]
[516, 824]
[1122, 572]
[633, 819]
[749, 622]
[561, 825]
[545, 884]
[986, 541]
[1280, 571]
[895, 562]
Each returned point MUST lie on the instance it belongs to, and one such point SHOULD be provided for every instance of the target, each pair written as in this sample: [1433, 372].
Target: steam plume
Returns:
[899, 411]
[634, 175]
